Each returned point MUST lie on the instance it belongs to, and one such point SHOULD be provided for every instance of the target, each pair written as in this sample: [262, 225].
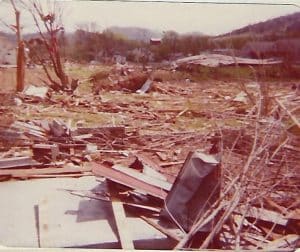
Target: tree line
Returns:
[85, 46]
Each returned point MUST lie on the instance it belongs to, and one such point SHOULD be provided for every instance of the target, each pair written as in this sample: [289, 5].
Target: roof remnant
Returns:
[215, 60]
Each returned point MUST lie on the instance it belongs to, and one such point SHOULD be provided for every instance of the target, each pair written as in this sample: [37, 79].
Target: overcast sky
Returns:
[208, 18]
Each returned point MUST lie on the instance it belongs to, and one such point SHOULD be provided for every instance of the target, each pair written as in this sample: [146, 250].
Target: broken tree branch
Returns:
[295, 120]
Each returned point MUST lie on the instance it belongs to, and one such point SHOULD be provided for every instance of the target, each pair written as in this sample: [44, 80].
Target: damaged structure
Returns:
[188, 164]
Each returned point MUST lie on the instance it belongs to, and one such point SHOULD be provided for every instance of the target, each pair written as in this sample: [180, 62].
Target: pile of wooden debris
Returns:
[224, 187]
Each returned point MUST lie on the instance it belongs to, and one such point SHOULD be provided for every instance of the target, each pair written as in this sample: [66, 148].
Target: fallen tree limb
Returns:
[295, 120]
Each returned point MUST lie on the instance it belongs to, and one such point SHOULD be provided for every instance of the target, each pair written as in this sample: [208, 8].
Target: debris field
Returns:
[201, 162]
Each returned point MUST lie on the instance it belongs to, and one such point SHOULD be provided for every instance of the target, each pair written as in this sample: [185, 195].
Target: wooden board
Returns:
[147, 179]
[34, 171]
[122, 225]
[10, 163]
[124, 179]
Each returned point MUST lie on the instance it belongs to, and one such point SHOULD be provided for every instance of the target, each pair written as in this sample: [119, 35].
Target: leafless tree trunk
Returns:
[21, 52]
[48, 25]
[20, 74]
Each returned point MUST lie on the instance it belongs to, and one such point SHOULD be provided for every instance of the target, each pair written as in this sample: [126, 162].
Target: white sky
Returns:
[210, 19]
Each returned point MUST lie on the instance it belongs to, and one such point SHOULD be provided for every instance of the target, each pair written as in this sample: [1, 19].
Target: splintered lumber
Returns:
[295, 120]
[29, 127]
[69, 175]
[125, 179]
[264, 215]
[12, 136]
[34, 172]
[89, 194]
[148, 161]
[171, 163]
[10, 163]
[42, 150]
[30, 130]
[141, 207]
[122, 225]
[160, 228]
[115, 131]
[288, 241]
[97, 196]
[150, 180]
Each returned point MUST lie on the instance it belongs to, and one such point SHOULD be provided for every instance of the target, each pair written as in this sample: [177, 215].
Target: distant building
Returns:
[8, 57]
[117, 58]
[8, 53]
[155, 41]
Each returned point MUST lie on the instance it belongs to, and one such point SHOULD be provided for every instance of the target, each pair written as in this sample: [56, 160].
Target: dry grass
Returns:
[8, 78]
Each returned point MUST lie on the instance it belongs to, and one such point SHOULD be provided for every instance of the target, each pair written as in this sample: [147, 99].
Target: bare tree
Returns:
[20, 74]
[49, 25]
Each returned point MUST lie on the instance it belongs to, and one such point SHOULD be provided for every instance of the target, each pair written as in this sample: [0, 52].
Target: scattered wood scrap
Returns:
[127, 180]
[140, 145]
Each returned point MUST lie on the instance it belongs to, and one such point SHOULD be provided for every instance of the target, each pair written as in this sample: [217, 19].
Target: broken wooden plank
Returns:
[82, 137]
[288, 241]
[264, 215]
[171, 163]
[124, 179]
[97, 196]
[10, 163]
[12, 136]
[274, 205]
[148, 161]
[40, 151]
[122, 225]
[161, 229]
[116, 131]
[34, 171]
[69, 175]
[140, 207]
[138, 175]
[30, 130]
[294, 118]
[148, 166]
[27, 126]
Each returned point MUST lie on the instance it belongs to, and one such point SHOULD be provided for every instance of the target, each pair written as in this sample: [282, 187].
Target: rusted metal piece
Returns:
[124, 179]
